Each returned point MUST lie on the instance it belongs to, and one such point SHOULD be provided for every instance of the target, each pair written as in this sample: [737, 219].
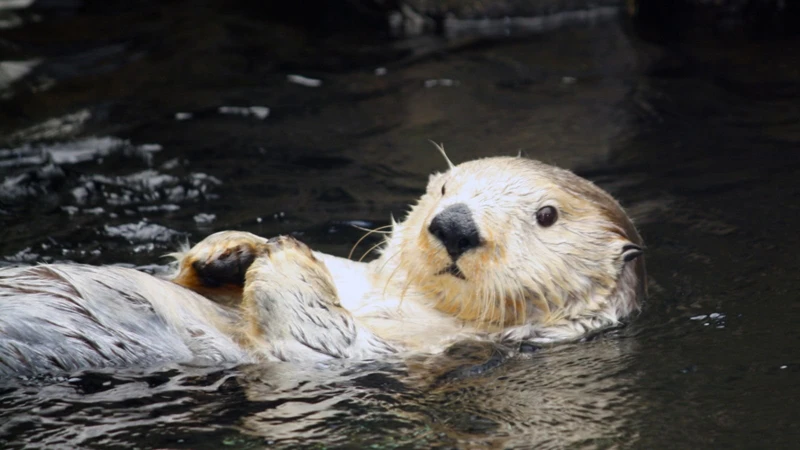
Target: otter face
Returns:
[504, 241]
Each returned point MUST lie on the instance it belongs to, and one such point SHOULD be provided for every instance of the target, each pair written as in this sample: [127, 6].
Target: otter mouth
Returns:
[453, 270]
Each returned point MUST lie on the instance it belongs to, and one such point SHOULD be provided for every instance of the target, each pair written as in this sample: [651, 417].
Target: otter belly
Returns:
[60, 318]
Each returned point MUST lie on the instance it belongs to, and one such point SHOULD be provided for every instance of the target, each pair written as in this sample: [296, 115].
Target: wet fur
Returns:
[61, 318]
[238, 297]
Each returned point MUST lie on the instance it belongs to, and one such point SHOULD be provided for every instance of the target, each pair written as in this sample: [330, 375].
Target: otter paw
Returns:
[291, 267]
[294, 259]
[290, 248]
[292, 307]
[217, 265]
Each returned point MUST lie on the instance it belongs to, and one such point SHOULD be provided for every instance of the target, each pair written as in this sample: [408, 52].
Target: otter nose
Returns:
[455, 228]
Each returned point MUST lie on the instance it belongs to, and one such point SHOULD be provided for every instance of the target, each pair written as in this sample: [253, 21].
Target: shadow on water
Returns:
[121, 141]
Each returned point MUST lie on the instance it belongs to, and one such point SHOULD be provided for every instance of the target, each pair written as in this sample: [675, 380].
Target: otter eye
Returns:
[443, 189]
[546, 216]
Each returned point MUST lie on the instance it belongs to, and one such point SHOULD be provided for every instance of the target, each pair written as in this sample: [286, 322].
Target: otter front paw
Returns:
[292, 311]
[289, 265]
[291, 306]
[216, 267]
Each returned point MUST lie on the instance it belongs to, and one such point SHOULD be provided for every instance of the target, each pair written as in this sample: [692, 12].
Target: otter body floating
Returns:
[497, 248]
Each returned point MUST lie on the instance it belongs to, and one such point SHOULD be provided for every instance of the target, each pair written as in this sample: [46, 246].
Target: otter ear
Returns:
[631, 251]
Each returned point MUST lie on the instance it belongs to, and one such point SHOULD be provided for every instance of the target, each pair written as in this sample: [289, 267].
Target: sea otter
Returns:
[503, 248]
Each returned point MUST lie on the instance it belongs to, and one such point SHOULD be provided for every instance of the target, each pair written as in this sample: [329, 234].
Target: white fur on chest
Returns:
[405, 318]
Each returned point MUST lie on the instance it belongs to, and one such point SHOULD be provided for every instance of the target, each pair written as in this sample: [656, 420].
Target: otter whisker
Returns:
[369, 232]
[520, 300]
[519, 303]
[524, 303]
[374, 230]
[403, 292]
[391, 275]
[499, 301]
[496, 306]
[502, 300]
[541, 301]
[486, 305]
[518, 297]
[440, 147]
[480, 307]
[515, 299]
[486, 294]
[385, 263]
[414, 278]
[370, 250]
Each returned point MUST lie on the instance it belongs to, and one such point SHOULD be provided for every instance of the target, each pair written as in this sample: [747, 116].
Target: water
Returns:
[115, 150]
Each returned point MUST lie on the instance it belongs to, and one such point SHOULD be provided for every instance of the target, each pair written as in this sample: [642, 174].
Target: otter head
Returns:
[505, 241]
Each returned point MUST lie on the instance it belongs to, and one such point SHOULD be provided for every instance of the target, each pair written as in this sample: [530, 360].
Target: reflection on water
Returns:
[576, 395]
[179, 133]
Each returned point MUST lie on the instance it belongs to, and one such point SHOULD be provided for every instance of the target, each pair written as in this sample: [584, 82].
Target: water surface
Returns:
[115, 150]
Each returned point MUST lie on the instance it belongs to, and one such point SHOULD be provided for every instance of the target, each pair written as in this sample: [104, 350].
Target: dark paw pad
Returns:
[228, 268]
